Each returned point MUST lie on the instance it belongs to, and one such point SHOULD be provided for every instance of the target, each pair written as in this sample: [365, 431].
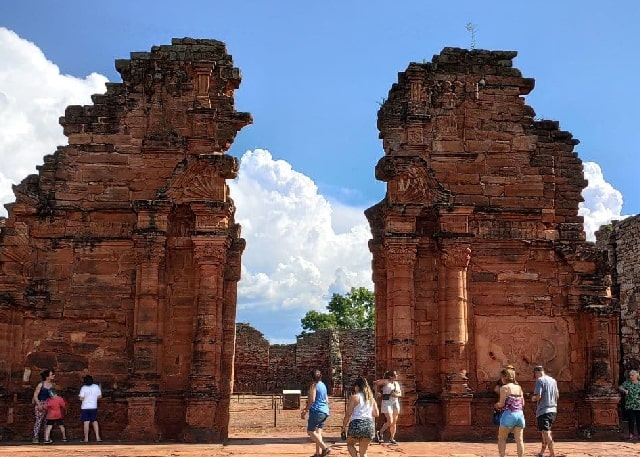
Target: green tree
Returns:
[354, 310]
[314, 320]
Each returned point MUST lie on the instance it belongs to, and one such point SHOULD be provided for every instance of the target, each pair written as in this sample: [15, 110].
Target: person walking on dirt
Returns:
[390, 405]
[358, 418]
[546, 394]
[318, 408]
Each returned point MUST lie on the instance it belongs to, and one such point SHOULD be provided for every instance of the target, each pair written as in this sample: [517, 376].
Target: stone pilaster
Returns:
[203, 72]
[400, 319]
[149, 305]
[231, 278]
[454, 334]
[148, 318]
[203, 422]
[602, 394]
[379, 275]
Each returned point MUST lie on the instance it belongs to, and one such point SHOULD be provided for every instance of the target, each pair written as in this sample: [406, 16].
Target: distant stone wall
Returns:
[251, 367]
[621, 241]
[341, 355]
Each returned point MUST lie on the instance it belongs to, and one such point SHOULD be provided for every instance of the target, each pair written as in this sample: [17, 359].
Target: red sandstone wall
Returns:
[479, 253]
[120, 258]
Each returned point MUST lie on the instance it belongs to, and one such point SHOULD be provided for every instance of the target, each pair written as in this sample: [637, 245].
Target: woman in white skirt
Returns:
[390, 405]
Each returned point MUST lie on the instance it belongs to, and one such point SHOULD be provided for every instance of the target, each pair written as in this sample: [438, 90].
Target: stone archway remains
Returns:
[121, 257]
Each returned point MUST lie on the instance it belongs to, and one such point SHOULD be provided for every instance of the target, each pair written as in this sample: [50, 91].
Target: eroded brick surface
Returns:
[479, 254]
[120, 258]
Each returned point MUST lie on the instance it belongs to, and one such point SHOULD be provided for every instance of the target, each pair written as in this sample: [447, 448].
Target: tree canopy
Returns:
[353, 310]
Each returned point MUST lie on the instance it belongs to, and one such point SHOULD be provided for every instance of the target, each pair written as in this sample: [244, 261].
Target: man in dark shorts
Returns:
[546, 394]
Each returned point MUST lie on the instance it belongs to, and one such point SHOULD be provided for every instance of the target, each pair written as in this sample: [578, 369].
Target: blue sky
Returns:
[313, 76]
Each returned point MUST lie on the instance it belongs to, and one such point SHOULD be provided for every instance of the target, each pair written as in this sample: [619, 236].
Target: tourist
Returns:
[318, 408]
[89, 395]
[390, 405]
[361, 410]
[40, 395]
[500, 381]
[511, 403]
[546, 394]
[631, 389]
[496, 389]
[56, 407]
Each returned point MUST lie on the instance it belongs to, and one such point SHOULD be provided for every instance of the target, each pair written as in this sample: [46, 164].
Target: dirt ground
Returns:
[255, 430]
[255, 415]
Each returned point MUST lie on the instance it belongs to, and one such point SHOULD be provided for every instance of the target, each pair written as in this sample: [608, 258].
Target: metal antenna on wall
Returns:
[471, 28]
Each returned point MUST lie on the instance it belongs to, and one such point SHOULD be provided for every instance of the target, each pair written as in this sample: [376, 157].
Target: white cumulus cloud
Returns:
[602, 202]
[33, 95]
[295, 257]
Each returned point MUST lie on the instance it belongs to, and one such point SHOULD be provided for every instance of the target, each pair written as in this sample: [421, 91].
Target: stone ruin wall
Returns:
[108, 255]
[621, 241]
[341, 355]
[120, 258]
[479, 254]
[251, 371]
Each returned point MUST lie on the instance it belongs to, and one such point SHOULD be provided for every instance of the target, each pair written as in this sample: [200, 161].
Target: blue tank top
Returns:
[321, 402]
[44, 393]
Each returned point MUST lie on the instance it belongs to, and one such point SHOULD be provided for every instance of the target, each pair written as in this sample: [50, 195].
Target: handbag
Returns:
[496, 416]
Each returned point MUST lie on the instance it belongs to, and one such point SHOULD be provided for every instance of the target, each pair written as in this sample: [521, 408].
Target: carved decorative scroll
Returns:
[411, 181]
[203, 180]
[455, 254]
